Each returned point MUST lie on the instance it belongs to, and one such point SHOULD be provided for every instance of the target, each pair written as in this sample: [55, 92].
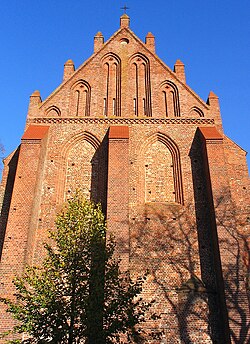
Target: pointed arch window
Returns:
[141, 86]
[112, 85]
[170, 99]
[80, 99]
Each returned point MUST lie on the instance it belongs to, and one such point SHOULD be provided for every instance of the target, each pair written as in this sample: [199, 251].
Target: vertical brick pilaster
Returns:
[118, 192]
[20, 212]
[218, 201]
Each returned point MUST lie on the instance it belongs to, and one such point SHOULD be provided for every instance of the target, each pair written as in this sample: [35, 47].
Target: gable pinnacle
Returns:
[98, 41]
[179, 69]
[69, 69]
[150, 41]
[35, 101]
[213, 100]
[212, 95]
[124, 20]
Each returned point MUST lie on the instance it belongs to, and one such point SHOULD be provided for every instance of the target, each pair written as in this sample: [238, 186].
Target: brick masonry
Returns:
[132, 134]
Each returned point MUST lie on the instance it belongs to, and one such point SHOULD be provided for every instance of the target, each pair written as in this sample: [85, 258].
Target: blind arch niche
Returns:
[162, 170]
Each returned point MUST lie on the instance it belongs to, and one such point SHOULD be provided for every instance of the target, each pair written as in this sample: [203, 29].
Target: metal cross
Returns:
[125, 8]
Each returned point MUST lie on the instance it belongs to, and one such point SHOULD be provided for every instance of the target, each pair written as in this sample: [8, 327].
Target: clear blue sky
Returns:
[211, 37]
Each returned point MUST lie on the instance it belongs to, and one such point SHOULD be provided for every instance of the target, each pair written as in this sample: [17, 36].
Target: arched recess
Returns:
[162, 170]
[139, 76]
[53, 111]
[170, 99]
[78, 161]
[80, 98]
[111, 66]
[195, 112]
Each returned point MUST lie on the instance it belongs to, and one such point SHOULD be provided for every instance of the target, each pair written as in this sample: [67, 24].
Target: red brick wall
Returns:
[17, 235]
[118, 190]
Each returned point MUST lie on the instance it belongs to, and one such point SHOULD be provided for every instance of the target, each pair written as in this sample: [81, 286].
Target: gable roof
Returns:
[144, 46]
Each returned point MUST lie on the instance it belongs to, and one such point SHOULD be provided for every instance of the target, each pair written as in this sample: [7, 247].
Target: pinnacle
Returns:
[99, 34]
[124, 15]
[179, 62]
[212, 95]
[69, 62]
[36, 94]
[124, 21]
[150, 34]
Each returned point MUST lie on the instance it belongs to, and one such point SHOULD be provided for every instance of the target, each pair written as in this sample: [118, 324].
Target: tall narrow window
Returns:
[136, 88]
[170, 100]
[80, 99]
[114, 110]
[112, 89]
[105, 107]
[165, 103]
[135, 112]
[76, 102]
[140, 83]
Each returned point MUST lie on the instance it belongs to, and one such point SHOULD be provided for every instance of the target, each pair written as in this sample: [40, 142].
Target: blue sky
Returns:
[212, 38]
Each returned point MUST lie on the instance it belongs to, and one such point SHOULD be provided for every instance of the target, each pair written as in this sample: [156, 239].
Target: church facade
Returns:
[129, 132]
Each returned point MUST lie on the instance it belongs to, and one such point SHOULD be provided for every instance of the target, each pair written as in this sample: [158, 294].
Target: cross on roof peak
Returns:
[125, 8]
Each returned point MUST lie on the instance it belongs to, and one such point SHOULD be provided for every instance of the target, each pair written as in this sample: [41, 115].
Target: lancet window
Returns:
[170, 99]
[112, 85]
[141, 88]
[80, 99]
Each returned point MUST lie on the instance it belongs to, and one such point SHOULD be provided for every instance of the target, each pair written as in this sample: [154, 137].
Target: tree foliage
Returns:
[78, 295]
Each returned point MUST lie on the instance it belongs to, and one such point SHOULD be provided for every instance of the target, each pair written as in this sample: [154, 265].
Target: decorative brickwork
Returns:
[130, 133]
[125, 120]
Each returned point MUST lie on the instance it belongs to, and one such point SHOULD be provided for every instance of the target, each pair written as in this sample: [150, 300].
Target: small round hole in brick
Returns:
[124, 41]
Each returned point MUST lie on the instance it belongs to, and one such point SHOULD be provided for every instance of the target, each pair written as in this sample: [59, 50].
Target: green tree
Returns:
[78, 295]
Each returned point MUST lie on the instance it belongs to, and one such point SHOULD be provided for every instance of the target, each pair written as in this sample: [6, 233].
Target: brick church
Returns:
[130, 132]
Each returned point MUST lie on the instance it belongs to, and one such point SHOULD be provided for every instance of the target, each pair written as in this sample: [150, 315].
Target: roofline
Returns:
[154, 55]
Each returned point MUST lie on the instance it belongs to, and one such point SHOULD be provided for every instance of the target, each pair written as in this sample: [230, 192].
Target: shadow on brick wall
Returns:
[12, 166]
[99, 175]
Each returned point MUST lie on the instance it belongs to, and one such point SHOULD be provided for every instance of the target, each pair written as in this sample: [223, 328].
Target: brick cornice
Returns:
[56, 120]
